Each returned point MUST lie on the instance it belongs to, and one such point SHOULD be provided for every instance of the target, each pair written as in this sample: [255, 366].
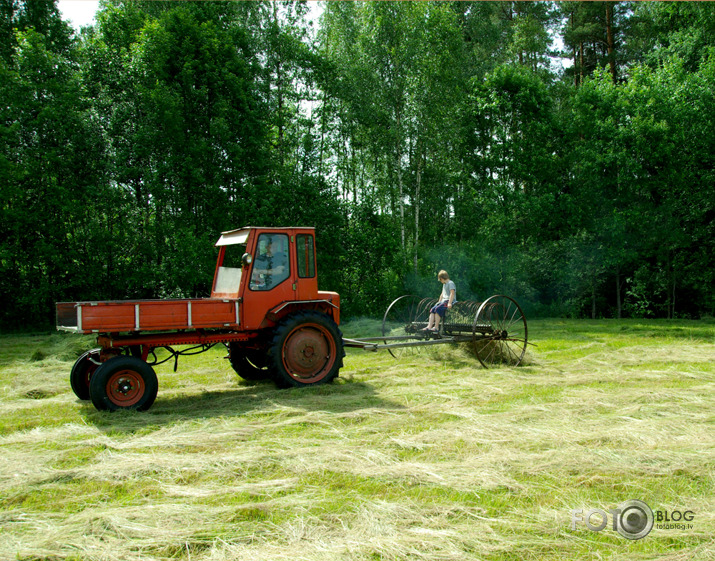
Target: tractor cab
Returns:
[268, 270]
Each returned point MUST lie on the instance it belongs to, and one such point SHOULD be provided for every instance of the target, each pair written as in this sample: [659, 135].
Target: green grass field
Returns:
[430, 458]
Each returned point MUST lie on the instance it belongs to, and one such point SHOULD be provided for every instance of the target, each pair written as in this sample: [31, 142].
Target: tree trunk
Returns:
[609, 39]
[398, 168]
[593, 300]
[321, 152]
[417, 207]
[279, 91]
[671, 288]
[618, 292]
[575, 56]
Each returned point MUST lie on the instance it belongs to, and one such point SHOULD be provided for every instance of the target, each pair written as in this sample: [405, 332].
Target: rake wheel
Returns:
[405, 318]
[499, 333]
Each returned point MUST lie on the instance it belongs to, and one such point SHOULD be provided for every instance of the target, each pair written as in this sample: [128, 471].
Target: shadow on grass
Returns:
[341, 396]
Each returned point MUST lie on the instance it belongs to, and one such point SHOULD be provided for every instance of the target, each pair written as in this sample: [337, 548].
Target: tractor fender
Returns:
[274, 315]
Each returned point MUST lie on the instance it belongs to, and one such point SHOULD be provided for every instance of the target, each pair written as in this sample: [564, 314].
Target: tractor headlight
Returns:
[247, 259]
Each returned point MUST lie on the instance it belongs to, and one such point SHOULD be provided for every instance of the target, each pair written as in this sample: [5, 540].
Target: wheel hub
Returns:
[125, 388]
[306, 353]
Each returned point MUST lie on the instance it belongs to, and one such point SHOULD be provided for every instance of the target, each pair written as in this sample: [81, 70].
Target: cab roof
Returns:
[240, 235]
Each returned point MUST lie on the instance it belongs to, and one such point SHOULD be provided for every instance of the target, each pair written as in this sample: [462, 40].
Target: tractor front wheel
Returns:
[307, 349]
[123, 382]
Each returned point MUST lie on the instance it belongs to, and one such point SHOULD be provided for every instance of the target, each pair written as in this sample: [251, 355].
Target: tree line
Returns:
[561, 153]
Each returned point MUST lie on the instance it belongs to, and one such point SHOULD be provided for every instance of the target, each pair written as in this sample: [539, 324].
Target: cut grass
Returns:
[430, 458]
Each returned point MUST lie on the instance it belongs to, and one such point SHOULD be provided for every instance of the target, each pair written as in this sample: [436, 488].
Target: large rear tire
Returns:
[123, 382]
[307, 349]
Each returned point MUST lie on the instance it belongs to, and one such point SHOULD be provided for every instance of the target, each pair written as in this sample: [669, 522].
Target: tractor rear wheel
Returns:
[307, 349]
[250, 364]
[123, 382]
[82, 372]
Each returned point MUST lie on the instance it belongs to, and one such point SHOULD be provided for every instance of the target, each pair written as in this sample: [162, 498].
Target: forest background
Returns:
[415, 136]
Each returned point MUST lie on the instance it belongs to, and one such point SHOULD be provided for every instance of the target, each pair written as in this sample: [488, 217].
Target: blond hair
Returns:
[443, 275]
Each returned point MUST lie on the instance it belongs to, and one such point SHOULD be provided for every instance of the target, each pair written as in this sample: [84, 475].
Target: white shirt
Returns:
[446, 288]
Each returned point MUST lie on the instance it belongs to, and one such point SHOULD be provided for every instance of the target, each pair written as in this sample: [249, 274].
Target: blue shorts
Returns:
[440, 309]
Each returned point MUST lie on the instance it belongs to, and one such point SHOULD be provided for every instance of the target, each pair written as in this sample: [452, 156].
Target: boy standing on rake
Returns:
[446, 301]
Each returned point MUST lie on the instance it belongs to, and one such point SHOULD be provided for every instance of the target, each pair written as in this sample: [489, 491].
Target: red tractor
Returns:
[265, 306]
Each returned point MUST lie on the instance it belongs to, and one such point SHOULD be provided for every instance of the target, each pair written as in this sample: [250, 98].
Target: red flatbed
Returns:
[125, 316]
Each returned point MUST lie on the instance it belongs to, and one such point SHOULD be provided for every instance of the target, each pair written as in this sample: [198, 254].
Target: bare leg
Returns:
[430, 323]
[437, 319]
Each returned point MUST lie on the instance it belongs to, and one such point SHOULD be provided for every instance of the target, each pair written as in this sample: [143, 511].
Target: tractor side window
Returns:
[306, 255]
[270, 265]
[228, 278]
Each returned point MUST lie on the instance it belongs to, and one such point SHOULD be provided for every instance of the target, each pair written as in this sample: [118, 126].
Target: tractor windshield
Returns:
[271, 265]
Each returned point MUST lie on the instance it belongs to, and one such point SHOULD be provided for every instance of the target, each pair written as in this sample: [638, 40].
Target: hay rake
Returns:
[496, 328]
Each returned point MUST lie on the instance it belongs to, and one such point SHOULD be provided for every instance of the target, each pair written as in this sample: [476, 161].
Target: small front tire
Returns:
[123, 382]
[250, 364]
[82, 372]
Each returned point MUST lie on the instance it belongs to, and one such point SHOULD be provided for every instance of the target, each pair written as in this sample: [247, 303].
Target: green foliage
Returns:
[51, 163]
[369, 262]
[413, 136]
[662, 31]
